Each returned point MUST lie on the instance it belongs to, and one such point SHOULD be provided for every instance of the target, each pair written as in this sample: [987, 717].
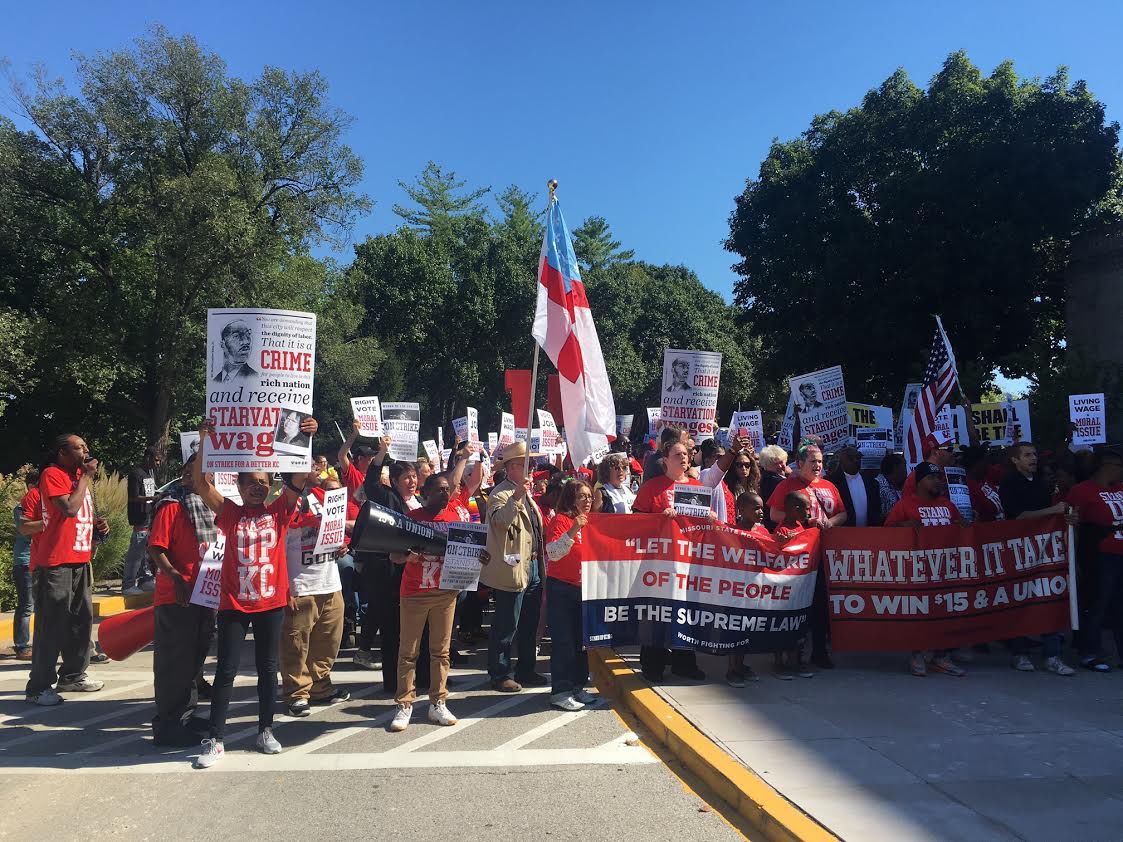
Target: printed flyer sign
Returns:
[693, 500]
[433, 452]
[868, 415]
[749, 424]
[369, 415]
[701, 586]
[908, 405]
[492, 442]
[820, 400]
[550, 437]
[942, 587]
[461, 568]
[689, 391]
[260, 370]
[402, 422]
[959, 493]
[873, 444]
[506, 429]
[468, 427]
[653, 425]
[332, 533]
[1089, 417]
[624, 426]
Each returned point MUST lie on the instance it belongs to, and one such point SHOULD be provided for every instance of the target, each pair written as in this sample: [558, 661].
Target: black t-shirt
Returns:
[1020, 494]
[142, 483]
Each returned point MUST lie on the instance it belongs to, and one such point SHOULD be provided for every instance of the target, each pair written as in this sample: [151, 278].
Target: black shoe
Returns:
[340, 695]
[457, 659]
[198, 725]
[535, 679]
[175, 738]
[298, 708]
[823, 661]
[694, 674]
[348, 642]
[98, 658]
[203, 688]
[655, 677]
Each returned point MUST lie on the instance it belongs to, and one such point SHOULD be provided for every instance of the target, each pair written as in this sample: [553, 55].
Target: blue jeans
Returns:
[515, 621]
[346, 566]
[25, 606]
[569, 665]
[135, 568]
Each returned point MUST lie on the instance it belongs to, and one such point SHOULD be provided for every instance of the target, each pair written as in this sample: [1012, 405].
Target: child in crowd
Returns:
[797, 513]
[750, 513]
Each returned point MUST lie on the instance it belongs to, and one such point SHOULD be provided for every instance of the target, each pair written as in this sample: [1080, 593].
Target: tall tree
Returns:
[594, 245]
[163, 187]
[441, 199]
[961, 199]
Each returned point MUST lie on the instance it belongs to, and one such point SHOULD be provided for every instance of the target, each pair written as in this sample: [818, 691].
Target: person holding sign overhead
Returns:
[182, 526]
[254, 589]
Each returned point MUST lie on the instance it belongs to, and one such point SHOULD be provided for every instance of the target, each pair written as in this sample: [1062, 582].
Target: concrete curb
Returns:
[105, 605]
[773, 816]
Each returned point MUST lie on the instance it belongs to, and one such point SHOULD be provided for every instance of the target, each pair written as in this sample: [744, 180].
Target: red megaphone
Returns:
[126, 634]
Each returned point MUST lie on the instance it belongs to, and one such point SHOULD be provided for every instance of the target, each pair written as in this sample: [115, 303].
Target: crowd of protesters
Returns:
[304, 608]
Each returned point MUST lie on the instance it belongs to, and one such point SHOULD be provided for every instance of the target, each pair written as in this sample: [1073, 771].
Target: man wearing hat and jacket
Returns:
[515, 543]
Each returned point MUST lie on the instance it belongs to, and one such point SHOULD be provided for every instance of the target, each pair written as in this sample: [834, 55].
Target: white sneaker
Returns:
[439, 714]
[401, 719]
[1059, 667]
[267, 743]
[45, 698]
[565, 701]
[79, 685]
[212, 753]
[1022, 663]
[586, 698]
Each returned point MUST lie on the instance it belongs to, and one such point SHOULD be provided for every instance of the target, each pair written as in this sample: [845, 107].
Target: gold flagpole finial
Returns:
[553, 185]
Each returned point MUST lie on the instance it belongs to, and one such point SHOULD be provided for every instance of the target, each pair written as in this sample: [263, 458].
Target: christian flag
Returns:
[563, 327]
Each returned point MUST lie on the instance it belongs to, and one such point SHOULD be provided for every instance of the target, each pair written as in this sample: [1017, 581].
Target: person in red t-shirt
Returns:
[60, 573]
[827, 511]
[565, 550]
[353, 473]
[985, 499]
[182, 530]
[749, 513]
[928, 506]
[1099, 505]
[254, 589]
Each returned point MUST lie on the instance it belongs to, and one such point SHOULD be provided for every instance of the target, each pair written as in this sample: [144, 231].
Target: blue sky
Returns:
[649, 114]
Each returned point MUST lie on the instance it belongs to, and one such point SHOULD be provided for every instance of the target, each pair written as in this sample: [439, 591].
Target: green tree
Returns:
[441, 200]
[595, 247]
[961, 199]
[162, 187]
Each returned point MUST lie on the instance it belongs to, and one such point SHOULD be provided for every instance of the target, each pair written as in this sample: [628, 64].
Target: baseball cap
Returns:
[926, 469]
[934, 441]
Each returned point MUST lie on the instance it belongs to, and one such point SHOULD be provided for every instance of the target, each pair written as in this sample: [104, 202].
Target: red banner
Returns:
[942, 587]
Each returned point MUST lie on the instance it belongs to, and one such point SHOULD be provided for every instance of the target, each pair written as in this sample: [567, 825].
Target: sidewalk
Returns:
[873, 753]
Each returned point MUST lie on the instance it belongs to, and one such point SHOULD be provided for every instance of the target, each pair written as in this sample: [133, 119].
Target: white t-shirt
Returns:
[858, 495]
[712, 476]
[622, 498]
[309, 574]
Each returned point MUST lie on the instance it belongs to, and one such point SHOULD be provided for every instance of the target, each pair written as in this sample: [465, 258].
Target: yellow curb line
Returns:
[104, 606]
[766, 810]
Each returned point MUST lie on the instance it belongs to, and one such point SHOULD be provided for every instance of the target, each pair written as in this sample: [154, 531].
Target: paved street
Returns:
[512, 766]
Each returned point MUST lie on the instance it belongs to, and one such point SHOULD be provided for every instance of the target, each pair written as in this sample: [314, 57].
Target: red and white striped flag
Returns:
[941, 381]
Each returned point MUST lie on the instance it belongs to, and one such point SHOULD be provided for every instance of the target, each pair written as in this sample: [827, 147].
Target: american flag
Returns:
[940, 381]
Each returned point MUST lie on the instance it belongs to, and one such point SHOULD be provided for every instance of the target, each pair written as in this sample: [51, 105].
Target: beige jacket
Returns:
[510, 531]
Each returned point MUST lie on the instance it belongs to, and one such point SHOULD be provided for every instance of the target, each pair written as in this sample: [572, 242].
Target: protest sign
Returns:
[649, 580]
[787, 428]
[506, 429]
[468, 427]
[864, 415]
[550, 437]
[402, 422]
[433, 452]
[873, 444]
[993, 422]
[820, 400]
[226, 483]
[492, 442]
[908, 404]
[446, 454]
[959, 493]
[945, 423]
[722, 436]
[332, 533]
[461, 568]
[689, 391]
[653, 425]
[260, 369]
[369, 415]
[942, 587]
[1089, 419]
[188, 445]
[208, 578]
[749, 424]
[624, 425]
[693, 500]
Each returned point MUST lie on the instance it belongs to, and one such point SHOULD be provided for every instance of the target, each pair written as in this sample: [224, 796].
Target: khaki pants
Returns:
[438, 608]
[310, 638]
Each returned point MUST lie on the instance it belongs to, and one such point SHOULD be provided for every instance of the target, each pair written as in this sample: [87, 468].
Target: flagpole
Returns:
[552, 185]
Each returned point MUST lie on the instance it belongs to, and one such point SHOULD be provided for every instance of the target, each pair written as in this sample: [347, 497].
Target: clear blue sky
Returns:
[649, 114]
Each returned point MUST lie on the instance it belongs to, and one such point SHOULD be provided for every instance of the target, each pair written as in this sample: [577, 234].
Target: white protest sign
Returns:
[260, 370]
[433, 452]
[468, 427]
[492, 442]
[188, 445]
[208, 580]
[506, 429]
[333, 522]
[461, 568]
[820, 400]
[693, 500]
[369, 415]
[653, 421]
[873, 443]
[908, 405]
[1089, 417]
[944, 423]
[749, 424]
[446, 454]
[402, 422]
[550, 437]
[227, 486]
[869, 415]
[959, 493]
[787, 429]
[624, 425]
[689, 391]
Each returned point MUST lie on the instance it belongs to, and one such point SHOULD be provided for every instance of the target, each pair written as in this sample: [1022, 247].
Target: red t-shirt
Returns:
[786, 533]
[172, 532]
[985, 501]
[423, 577]
[64, 540]
[568, 567]
[825, 500]
[657, 495]
[352, 480]
[757, 529]
[938, 512]
[32, 505]
[254, 575]
[1098, 505]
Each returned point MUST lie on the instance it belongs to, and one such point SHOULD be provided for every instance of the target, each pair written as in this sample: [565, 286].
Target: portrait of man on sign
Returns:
[237, 342]
[808, 396]
[680, 376]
